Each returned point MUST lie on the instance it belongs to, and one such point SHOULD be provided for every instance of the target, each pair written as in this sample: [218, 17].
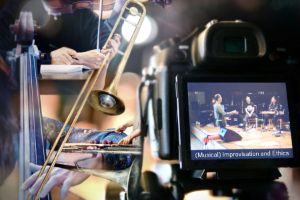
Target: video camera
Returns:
[198, 106]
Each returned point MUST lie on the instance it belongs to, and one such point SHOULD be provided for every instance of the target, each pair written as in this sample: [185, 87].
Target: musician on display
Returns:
[219, 112]
[250, 111]
[61, 56]
[228, 131]
[71, 43]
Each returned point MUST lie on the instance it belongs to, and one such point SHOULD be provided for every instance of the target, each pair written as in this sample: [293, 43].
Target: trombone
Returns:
[105, 100]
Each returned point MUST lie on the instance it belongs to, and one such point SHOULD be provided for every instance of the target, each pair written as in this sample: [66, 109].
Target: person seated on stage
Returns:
[274, 105]
[219, 112]
[273, 108]
[249, 110]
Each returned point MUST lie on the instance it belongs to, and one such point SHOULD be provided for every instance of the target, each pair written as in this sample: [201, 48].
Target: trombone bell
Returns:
[106, 102]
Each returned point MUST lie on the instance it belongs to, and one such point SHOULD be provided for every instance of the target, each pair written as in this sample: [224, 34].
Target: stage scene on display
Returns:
[240, 116]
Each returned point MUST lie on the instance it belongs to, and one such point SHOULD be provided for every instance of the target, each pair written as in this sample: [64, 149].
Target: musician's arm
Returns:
[128, 139]
[67, 178]
[92, 58]
[270, 108]
[52, 128]
[221, 110]
[252, 111]
[247, 112]
[276, 109]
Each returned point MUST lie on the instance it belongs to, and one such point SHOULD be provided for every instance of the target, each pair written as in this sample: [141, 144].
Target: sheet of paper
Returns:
[62, 69]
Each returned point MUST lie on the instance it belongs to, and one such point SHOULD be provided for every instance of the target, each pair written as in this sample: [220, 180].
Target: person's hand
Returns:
[235, 112]
[123, 127]
[59, 177]
[125, 140]
[112, 46]
[63, 56]
[92, 59]
[128, 139]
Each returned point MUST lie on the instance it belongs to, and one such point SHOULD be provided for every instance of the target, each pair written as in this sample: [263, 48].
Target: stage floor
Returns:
[254, 138]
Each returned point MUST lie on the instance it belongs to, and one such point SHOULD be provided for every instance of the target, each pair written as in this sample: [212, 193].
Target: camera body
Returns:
[228, 53]
[169, 60]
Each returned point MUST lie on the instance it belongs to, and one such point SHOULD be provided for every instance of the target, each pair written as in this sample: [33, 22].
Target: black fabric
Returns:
[8, 14]
[274, 107]
[76, 30]
[8, 127]
[231, 136]
[249, 106]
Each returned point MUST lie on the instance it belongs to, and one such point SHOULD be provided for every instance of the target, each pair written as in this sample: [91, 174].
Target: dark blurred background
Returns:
[279, 20]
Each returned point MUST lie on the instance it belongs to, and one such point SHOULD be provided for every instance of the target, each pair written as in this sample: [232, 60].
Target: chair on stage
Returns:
[279, 118]
[273, 120]
[251, 122]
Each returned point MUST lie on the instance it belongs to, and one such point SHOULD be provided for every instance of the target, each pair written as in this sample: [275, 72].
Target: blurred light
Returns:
[163, 171]
[204, 194]
[147, 32]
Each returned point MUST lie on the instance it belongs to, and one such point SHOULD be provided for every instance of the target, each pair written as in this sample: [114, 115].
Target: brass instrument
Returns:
[127, 178]
[103, 148]
[110, 104]
[106, 100]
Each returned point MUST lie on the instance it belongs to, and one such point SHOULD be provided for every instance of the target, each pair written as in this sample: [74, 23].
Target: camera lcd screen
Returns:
[239, 120]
